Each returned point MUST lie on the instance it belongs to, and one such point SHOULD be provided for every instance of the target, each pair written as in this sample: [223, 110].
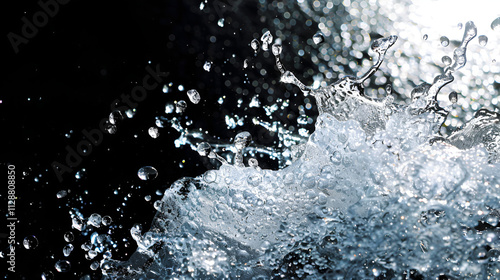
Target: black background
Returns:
[66, 78]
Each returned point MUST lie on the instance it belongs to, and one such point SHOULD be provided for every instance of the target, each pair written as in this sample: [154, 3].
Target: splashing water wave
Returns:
[376, 193]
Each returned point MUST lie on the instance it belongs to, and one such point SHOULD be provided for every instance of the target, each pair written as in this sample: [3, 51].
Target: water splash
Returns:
[367, 195]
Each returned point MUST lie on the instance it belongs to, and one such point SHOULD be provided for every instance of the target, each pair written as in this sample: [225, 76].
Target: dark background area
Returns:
[65, 79]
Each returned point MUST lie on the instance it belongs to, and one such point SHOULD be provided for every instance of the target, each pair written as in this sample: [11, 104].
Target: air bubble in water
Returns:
[181, 106]
[495, 25]
[425, 37]
[446, 60]
[106, 220]
[69, 236]
[95, 220]
[115, 117]
[147, 173]
[63, 266]
[277, 49]
[318, 38]
[153, 132]
[255, 45]
[266, 39]
[30, 242]
[194, 96]
[453, 97]
[68, 249]
[62, 193]
[207, 66]
[483, 40]
[444, 41]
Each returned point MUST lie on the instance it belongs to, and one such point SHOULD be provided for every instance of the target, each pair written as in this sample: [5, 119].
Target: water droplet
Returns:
[94, 265]
[266, 39]
[115, 117]
[446, 60]
[483, 40]
[318, 38]
[494, 61]
[107, 220]
[147, 173]
[180, 107]
[63, 266]
[277, 48]
[62, 193]
[388, 89]
[207, 66]
[95, 220]
[255, 45]
[245, 64]
[242, 140]
[220, 23]
[110, 128]
[153, 132]
[47, 275]
[210, 176]
[460, 25]
[253, 162]
[165, 89]
[444, 41]
[194, 96]
[169, 108]
[425, 37]
[30, 242]
[69, 237]
[204, 149]
[68, 249]
[147, 198]
[453, 96]
[495, 25]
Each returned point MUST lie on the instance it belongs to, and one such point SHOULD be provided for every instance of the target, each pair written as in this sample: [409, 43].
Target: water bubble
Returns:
[115, 117]
[277, 48]
[147, 173]
[153, 132]
[181, 106]
[207, 66]
[242, 140]
[68, 249]
[69, 236]
[30, 242]
[483, 40]
[62, 193]
[106, 220]
[194, 96]
[204, 149]
[63, 266]
[267, 39]
[453, 96]
[444, 41]
[255, 45]
[318, 38]
[95, 220]
[425, 37]
[446, 60]
[47, 275]
[495, 24]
